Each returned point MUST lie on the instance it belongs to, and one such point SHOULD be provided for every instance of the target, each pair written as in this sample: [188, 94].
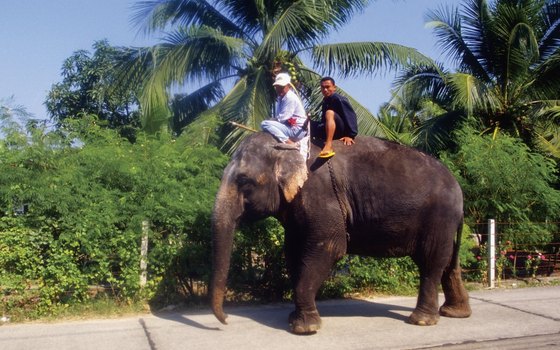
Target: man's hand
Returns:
[347, 140]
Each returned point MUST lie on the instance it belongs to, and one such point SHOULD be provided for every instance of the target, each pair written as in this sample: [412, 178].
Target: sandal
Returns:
[326, 154]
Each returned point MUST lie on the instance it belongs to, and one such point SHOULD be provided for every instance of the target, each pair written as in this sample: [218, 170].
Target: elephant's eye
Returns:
[245, 183]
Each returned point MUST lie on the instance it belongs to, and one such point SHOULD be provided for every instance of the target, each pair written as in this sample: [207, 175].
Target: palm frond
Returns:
[135, 67]
[418, 83]
[196, 53]
[248, 103]
[186, 107]
[204, 129]
[549, 43]
[289, 29]
[433, 134]
[301, 24]
[339, 12]
[470, 95]
[520, 43]
[396, 126]
[153, 101]
[446, 24]
[133, 64]
[352, 59]
[547, 113]
[160, 14]
[550, 143]
[543, 87]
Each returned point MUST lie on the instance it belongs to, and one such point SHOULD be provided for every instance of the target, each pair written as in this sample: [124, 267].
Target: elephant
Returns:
[374, 198]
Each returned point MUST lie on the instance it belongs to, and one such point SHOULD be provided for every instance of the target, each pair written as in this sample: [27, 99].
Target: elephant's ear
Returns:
[291, 172]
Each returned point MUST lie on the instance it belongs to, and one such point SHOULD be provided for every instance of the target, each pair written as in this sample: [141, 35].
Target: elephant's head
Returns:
[258, 181]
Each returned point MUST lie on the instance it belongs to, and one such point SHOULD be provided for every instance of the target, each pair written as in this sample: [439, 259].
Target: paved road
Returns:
[502, 319]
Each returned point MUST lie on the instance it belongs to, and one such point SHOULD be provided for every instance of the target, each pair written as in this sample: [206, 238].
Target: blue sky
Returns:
[36, 36]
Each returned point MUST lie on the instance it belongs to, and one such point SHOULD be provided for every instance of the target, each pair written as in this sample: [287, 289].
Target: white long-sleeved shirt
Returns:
[289, 106]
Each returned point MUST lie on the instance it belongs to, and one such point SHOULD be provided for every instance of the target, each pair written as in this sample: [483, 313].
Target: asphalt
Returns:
[520, 318]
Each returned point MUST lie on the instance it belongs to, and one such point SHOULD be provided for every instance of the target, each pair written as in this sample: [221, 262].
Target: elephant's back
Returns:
[388, 178]
[371, 156]
[401, 168]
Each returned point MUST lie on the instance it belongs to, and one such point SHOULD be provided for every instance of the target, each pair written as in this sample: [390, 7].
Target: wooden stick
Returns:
[242, 126]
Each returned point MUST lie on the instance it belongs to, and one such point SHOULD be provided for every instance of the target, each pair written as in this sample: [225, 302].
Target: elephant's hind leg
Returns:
[431, 266]
[426, 311]
[456, 297]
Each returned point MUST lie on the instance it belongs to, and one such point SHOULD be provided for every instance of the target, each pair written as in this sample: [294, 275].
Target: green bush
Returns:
[258, 268]
[379, 275]
[72, 204]
[503, 179]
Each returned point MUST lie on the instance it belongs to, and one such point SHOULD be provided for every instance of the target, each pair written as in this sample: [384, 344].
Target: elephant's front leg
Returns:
[317, 260]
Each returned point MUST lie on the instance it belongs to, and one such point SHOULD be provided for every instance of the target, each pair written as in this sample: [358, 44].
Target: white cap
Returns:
[282, 79]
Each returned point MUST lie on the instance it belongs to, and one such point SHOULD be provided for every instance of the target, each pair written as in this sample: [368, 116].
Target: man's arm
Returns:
[350, 116]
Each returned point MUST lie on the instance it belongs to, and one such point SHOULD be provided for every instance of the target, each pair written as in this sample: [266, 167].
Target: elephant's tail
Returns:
[457, 245]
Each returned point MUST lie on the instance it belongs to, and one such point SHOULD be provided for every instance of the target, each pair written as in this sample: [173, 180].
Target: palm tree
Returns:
[507, 54]
[226, 53]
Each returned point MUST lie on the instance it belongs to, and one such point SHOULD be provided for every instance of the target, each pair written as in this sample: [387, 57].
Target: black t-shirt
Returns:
[341, 106]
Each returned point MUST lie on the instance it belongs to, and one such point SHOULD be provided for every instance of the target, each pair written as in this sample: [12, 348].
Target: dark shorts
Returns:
[318, 129]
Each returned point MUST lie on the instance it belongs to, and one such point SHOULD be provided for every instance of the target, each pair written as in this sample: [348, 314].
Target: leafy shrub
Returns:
[72, 204]
[503, 180]
[381, 275]
[258, 265]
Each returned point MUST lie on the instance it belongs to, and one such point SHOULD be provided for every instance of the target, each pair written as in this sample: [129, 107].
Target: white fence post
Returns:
[491, 252]
[144, 254]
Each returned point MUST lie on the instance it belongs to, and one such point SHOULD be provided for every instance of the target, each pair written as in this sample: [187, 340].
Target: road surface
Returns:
[502, 319]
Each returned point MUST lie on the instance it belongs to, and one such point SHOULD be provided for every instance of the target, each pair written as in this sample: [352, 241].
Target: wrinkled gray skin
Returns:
[386, 201]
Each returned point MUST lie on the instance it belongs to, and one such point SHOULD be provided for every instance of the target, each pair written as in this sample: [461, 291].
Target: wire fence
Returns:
[515, 250]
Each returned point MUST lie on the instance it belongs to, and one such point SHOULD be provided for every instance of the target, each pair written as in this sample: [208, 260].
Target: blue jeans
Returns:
[283, 132]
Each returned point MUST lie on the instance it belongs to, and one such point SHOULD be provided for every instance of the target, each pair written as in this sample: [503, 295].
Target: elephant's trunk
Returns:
[227, 211]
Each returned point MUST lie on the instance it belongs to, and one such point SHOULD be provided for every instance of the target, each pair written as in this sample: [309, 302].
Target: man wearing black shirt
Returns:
[338, 119]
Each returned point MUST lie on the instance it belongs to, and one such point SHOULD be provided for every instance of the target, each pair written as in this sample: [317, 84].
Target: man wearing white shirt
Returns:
[288, 125]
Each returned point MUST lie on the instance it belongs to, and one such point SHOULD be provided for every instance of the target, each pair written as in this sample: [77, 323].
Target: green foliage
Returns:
[468, 244]
[502, 179]
[505, 57]
[72, 204]
[382, 275]
[90, 86]
[258, 266]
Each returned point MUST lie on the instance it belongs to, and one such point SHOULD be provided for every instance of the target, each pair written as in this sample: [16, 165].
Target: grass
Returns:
[95, 308]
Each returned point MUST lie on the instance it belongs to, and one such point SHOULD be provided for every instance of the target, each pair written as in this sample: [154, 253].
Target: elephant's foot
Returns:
[423, 319]
[304, 322]
[462, 310]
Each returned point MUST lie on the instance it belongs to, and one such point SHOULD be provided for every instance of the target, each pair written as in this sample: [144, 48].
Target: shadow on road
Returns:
[184, 320]
[277, 316]
[364, 308]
